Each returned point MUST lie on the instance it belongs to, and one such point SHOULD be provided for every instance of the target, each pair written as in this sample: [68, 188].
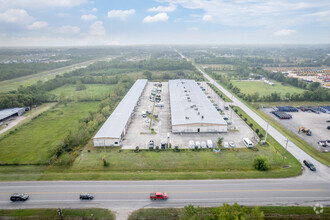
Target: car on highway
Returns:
[86, 196]
[19, 197]
[309, 165]
[158, 196]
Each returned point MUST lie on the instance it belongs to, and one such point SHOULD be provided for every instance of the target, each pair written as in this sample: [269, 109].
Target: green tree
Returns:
[261, 163]
[148, 74]
[191, 213]
[236, 212]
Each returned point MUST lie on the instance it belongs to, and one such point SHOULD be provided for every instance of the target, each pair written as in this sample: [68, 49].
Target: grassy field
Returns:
[94, 91]
[34, 112]
[251, 87]
[13, 84]
[270, 212]
[32, 143]
[88, 213]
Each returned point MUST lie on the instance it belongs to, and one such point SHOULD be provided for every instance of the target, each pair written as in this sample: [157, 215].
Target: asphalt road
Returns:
[322, 170]
[117, 195]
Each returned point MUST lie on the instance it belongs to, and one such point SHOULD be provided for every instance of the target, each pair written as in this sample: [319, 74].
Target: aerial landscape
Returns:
[164, 109]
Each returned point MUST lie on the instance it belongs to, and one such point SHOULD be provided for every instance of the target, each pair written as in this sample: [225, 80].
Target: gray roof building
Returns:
[190, 106]
[5, 113]
[116, 125]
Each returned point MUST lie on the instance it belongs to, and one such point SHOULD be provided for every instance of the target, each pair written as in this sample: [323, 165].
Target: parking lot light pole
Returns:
[266, 132]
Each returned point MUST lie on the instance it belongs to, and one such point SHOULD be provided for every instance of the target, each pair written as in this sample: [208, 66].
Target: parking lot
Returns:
[138, 133]
[309, 120]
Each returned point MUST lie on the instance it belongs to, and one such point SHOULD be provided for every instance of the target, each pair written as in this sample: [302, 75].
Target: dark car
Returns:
[19, 197]
[309, 165]
[86, 196]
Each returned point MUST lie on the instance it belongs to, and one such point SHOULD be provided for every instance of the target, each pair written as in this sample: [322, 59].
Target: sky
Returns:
[130, 22]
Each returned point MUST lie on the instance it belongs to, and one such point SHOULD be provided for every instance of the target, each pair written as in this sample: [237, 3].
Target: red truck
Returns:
[158, 195]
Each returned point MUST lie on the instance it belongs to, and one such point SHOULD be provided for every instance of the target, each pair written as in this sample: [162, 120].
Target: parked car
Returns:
[225, 145]
[203, 144]
[158, 196]
[151, 144]
[226, 108]
[225, 118]
[160, 104]
[191, 144]
[209, 144]
[198, 144]
[309, 165]
[87, 196]
[232, 144]
[19, 197]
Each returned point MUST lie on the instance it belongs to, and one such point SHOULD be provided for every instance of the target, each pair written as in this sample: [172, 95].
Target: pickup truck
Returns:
[158, 195]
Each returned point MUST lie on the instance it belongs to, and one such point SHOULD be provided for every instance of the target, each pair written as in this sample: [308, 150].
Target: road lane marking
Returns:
[185, 192]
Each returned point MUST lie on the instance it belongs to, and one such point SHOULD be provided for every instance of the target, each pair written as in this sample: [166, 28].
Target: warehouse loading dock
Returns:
[114, 129]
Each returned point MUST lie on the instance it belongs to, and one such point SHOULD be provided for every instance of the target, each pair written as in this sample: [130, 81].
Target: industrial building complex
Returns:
[115, 127]
[191, 110]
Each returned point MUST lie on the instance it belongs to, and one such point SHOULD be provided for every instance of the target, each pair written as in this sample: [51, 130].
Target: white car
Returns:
[191, 144]
[198, 144]
[232, 144]
[203, 144]
[225, 145]
[209, 144]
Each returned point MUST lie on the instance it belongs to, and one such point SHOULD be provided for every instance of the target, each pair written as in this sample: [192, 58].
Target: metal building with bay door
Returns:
[191, 110]
[114, 129]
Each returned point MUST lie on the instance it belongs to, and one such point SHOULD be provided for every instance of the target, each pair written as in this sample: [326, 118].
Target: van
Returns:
[209, 144]
[191, 144]
[160, 104]
[247, 142]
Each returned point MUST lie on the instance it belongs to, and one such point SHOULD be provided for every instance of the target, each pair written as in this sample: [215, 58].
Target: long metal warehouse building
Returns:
[114, 129]
[191, 110]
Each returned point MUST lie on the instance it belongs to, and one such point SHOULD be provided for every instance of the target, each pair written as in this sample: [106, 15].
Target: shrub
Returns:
[137, 149]
[257, 131]
[261, 163]
[219, 142]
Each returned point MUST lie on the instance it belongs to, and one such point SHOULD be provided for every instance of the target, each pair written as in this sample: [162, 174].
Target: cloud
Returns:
[284, 32]
[192, 29]
[156, 18]
[122, 14]
[40, 3]
[37, 25]
[67, 29]
[94, 10]
[97, 29]
[207, 18]
[161, 8]
[256, 13]
[18, 16]
[88, 17]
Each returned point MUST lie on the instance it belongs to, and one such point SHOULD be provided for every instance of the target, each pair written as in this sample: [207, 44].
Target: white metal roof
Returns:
[115, 124]
[199, 110]
[5, 113]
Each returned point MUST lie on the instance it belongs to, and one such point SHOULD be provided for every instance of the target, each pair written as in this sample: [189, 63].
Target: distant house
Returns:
[6, 113]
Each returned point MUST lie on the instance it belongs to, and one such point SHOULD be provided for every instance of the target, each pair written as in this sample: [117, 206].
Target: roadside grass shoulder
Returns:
[270, 212]
[89, 213]
[33, 142]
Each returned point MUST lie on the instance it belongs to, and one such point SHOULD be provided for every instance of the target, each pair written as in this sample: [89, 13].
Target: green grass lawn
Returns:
[88, 213]
[270, 212]
[92, 91]
[33, 142]
[250, 87]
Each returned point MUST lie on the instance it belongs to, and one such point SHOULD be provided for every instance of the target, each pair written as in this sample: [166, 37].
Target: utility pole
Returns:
[286, 147]
[60, 213]
[266, 133]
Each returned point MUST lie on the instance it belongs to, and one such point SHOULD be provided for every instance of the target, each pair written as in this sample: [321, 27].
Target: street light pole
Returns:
[266, 133]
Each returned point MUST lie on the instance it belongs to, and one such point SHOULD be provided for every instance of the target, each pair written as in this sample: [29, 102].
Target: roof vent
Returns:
[198, 113]
[202, 116]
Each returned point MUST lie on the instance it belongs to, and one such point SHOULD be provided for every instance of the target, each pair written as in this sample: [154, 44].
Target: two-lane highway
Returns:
[135, 194]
